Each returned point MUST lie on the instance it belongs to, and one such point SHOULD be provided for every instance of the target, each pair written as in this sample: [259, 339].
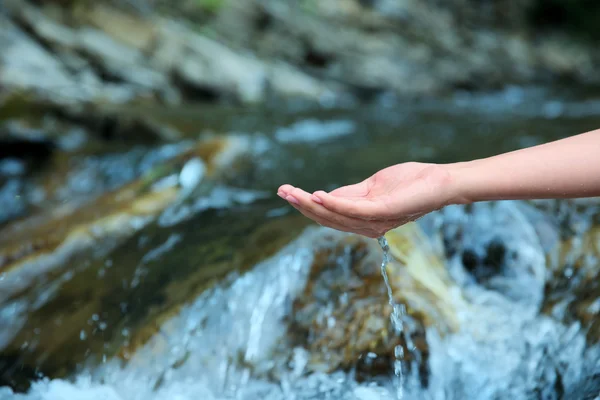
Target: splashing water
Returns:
[397, 318]
[504, 348]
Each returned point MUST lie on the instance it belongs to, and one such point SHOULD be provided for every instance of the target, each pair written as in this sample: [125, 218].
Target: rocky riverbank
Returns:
[80, 52]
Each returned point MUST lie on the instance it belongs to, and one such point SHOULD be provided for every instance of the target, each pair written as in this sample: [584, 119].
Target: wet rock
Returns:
[111, 301]
[396, 45]
[210, 67]
[572, 292]
[17, 377]
[287, 81]
[50, 161]
[267, 49]
[136, 57]
[110, 124]
[123, 27]
[144, 191]
[48, 180]
[213, 66]
[342, 317]
[118, 60]
[102, 271]
[26, 65]
[100, 58]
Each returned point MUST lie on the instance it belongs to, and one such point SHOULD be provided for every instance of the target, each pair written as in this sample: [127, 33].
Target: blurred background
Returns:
[141, 146]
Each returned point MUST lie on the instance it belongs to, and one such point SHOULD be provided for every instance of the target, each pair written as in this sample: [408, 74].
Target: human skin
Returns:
[566, 168]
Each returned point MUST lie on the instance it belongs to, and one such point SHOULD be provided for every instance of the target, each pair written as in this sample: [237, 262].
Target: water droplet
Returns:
[399, 351]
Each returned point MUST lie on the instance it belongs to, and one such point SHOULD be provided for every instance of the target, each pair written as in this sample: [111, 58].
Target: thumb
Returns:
[357, 190]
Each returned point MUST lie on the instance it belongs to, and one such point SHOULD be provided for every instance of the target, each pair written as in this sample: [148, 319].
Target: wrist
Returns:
[460, 188]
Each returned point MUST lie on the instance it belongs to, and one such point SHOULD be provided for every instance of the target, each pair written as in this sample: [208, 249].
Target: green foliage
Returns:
[211, 6]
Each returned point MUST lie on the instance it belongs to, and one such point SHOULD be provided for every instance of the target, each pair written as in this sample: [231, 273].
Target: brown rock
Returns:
[342, 318]
[572, 292]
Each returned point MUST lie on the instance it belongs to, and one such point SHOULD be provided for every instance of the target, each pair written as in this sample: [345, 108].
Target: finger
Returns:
[358, 190]
[304, 200]
[353, 207]
[333, 225]
[284, 190]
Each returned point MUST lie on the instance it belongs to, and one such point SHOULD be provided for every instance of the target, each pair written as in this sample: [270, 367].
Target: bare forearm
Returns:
[567, 168]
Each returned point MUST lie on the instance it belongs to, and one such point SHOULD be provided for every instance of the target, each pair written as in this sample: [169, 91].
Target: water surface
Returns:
[218, 281]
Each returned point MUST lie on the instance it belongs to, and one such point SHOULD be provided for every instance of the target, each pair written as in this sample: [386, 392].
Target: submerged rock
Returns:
[74, 275]
[109, 302]
[342, 316]
[145, 192]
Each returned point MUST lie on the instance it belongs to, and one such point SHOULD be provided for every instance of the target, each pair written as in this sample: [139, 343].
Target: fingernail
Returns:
[281, 194]
[316, 199]
[292, 199]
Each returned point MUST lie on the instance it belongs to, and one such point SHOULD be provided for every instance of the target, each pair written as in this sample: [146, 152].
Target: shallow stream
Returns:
[196, 303]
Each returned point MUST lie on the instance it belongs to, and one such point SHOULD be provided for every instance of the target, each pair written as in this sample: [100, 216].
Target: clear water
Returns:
[397, 317]
[221, 345]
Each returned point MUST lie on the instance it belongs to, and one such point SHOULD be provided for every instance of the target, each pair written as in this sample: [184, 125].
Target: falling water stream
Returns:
[397, 318]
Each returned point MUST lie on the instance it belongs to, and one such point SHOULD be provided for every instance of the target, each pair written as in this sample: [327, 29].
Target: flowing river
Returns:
[219, 290]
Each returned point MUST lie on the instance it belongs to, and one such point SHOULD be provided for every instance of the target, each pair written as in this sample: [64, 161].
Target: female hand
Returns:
[390, 198]
[566, 168]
